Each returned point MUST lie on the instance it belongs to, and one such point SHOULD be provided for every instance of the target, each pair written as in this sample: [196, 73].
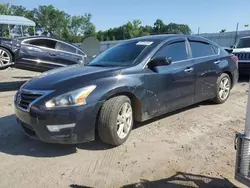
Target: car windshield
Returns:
[243, 43]
[122, 54]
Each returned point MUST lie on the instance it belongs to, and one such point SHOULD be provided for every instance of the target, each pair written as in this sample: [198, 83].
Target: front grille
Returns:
[243, 56]
[24, 99]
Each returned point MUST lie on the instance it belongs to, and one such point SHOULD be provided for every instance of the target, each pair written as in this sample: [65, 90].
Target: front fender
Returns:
[133, 84]
[6, 45]
[130, 85]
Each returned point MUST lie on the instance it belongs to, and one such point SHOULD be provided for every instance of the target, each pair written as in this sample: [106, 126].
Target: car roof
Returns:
[158, 37]
[37, 37]
[164, 37]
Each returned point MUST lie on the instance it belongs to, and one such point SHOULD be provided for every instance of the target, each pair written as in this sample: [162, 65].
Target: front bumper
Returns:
[35, 122]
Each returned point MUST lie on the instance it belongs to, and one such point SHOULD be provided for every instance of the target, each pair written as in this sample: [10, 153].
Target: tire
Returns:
[6, 58]
[108, 124]
[219, 99]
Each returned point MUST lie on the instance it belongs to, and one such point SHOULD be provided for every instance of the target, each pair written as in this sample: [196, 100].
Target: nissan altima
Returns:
[133, 81]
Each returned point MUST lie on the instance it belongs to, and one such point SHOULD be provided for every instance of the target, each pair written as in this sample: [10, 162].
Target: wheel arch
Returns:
[9, 50]
[135, 102]
[230, 76]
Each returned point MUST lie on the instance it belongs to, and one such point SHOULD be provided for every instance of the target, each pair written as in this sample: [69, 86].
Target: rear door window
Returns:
[216, 49]
[200, 49]
[65, 47]
[42, 43]
[176, 51]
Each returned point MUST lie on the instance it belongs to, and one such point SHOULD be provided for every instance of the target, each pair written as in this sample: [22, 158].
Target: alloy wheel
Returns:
[224, 88]
[124, 120]
[4, 58]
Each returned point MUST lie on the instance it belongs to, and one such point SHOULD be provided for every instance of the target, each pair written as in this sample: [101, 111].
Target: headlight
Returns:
[72, 98]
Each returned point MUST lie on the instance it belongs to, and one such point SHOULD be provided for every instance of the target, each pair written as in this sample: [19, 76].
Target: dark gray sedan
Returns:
[39, 53]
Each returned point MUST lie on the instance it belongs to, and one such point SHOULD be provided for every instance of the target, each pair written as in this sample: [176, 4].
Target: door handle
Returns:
[217, 62]
[52, 54]
[188, 70]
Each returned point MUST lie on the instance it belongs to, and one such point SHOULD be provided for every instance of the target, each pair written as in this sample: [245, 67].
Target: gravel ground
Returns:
[193, 147]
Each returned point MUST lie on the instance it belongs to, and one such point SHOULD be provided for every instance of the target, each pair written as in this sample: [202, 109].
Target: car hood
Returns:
[238, 50]
[70, 76]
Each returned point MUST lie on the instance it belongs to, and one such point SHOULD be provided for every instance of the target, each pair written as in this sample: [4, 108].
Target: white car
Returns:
[242, 51]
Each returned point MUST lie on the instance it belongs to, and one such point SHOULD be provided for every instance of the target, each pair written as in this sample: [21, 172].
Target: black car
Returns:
[136, 80]
[39, 53]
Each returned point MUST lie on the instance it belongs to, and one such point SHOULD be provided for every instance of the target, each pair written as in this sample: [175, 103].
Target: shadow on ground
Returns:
[13, 141]
[179, 180]
[140, 124]
[11, 86]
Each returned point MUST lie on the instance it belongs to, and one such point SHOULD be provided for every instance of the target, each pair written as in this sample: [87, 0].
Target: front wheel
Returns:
[115, 120]
[223, 89]
[5, 58]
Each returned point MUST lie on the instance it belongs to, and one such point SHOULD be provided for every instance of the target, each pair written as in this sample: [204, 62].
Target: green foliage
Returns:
[135, 29]
[5, 9]
[56, 23]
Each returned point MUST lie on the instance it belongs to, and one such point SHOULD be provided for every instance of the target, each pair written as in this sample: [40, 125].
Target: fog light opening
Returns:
[57, 128]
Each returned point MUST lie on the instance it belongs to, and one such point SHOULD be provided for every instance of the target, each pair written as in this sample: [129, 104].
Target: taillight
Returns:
[235, 58]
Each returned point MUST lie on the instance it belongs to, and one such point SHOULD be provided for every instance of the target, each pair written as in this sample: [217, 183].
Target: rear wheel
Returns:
[223, 89]
[115, 120]
[5, 57]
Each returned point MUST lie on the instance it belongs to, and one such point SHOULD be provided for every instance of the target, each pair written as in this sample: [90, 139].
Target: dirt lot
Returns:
[193, 147]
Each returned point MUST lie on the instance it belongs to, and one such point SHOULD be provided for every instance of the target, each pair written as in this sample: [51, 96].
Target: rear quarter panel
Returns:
[228, 65]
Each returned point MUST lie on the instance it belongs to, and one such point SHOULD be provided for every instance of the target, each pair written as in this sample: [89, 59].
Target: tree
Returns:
[79, 25]
[50, 21]
[223, 31]
[158, 26]
[90, 30]
[5, 9]
[18, 10]
[184, 29]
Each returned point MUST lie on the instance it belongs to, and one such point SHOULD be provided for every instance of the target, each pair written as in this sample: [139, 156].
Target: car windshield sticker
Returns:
[145, 43]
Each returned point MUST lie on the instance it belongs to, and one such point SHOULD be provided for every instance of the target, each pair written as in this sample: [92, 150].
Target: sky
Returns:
[208, 15]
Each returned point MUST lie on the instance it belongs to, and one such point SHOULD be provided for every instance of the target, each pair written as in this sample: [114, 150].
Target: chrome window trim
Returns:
[45, 62]
[43, 93]
[148, 60]
[25, 40]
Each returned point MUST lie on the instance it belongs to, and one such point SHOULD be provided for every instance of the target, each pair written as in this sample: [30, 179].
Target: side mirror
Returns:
[160, 61]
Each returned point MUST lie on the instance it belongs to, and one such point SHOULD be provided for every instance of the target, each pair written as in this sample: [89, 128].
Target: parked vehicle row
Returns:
[39, 53]
[133, 81]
